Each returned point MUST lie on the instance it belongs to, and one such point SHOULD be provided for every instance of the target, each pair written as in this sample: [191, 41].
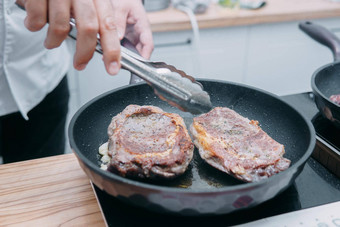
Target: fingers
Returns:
[109, 18]
[142, 26]
[145, 42]
[59, 27]
[120, 16]
[145, 47]
[36, 14]
[139, 31]
[108, 36]
[87, 27]
[56, 12]
[141, 38]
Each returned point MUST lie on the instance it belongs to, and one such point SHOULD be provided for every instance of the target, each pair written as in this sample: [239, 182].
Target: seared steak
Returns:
[237, 146]
[146, 142]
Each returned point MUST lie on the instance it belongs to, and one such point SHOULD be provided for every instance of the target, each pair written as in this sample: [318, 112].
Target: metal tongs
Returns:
[170, 84]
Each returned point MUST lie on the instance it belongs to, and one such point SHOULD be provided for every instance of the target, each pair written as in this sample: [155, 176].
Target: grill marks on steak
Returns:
[237, 146]
[146, 142]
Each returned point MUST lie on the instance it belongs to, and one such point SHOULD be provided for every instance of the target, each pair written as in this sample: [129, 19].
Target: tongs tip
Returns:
[200, 104]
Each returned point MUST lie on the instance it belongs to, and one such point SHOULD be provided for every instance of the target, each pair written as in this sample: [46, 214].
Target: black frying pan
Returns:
[326, 80]
[202, 189]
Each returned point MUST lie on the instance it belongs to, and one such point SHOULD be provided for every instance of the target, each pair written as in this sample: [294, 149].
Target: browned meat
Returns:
[237, 146]
[335, 99]
[146, 142]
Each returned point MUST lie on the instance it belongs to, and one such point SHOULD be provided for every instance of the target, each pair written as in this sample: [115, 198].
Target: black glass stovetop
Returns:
[314, 186]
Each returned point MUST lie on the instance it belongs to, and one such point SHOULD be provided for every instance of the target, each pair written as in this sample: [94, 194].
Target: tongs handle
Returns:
[165, 79]
[170, 84]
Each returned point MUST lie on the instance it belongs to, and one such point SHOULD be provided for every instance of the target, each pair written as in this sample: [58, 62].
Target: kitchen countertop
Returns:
[217, 16]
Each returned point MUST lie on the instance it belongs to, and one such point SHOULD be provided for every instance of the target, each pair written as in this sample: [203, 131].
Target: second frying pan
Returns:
[326, 80]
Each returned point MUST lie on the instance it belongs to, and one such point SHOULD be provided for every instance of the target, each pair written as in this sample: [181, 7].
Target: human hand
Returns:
[132, 23]
[92, 17]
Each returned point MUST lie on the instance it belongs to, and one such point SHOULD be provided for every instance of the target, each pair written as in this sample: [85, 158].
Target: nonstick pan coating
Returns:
[202, 189]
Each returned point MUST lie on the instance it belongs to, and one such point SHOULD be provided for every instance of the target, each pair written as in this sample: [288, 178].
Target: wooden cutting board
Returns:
[50, 191]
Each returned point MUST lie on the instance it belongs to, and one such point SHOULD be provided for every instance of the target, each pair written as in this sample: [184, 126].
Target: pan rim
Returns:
[315, 87]
[243, 186]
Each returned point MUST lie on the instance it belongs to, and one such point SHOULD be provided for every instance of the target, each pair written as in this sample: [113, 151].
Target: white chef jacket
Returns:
[28, 71]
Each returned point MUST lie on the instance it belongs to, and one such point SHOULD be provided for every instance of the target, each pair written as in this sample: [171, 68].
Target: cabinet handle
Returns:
[183, 43]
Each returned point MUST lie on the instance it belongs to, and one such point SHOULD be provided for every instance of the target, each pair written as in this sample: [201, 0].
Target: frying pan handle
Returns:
[323, 36]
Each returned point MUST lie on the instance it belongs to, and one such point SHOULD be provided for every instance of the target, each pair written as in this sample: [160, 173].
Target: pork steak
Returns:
[237, 145]
[146, 142]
